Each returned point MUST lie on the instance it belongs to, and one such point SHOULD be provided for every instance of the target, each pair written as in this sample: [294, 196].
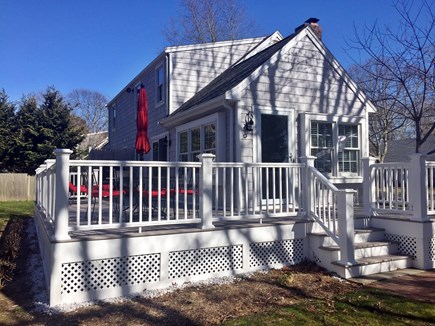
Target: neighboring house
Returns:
[269, 99]
[399, 150]
[93, 141]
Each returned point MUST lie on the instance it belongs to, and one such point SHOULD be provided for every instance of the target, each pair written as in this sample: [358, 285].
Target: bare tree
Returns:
[204, 21]
[91, 107]
[402, 61]
[386, 123]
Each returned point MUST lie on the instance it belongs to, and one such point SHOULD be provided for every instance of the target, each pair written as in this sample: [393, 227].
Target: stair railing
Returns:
[332, 209]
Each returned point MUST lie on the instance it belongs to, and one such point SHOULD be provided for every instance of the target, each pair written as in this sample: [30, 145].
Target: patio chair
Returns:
[73, 189]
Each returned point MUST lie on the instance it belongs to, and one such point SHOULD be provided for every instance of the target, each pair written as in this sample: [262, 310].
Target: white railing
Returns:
[332, 209]
[390, 184]
[242, 190]
[134, 194]
[399, 188]
[118, 194]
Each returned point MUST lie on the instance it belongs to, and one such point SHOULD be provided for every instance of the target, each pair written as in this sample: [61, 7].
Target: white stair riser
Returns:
[369, 236]
[380, 250]
[383, 267]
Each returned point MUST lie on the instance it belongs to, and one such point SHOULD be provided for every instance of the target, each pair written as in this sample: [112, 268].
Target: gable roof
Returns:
[233, 76]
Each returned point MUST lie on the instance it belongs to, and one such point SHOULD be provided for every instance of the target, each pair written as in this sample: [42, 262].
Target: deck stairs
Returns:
[373, 254]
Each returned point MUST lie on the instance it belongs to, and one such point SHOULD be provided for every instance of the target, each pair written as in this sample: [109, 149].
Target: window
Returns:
[348, 148]
[195, 141]
[160, 84]
[160, 149]
[322, 146]
[335, 146]
[114, 118]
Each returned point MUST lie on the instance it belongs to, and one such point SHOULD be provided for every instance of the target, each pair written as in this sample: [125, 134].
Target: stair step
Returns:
[373, 265]
[373, 260]
[360, 245]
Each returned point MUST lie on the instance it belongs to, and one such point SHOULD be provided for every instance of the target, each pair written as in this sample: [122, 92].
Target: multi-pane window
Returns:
[322, 145]
[210, 139]
[160, 84]
[195, 141]
[195, 144]
[335, 146]
[184, 146]
[348, 148]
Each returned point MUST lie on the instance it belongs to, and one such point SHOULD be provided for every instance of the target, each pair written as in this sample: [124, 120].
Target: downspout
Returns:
[231, 111]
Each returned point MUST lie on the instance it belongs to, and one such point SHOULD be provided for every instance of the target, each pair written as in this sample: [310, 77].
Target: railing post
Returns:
[206, 190]
[368, 185]
[417, 187]
[306, 184]
[61, 214]
[346, 226]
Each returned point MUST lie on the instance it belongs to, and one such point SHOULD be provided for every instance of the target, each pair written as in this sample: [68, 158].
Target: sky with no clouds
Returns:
[101, 45]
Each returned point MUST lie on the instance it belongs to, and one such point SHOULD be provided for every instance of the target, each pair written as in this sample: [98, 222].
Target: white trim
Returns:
[160, 103]
[190, 47]
[307, 118]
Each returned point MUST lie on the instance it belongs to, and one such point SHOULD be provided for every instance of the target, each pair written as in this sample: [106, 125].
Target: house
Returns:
[399, 150]
[250, 142]
[270, 99]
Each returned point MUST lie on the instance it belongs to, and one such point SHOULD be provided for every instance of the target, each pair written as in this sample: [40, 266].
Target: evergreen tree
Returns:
[43, 128]
[7, 132]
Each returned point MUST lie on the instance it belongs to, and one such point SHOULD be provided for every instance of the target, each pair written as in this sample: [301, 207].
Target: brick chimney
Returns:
[312, 22]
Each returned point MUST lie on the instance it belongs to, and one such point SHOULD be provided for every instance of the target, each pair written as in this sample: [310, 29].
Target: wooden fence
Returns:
[17, 187]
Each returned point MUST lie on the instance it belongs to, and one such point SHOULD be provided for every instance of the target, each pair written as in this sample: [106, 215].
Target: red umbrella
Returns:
[142, 143]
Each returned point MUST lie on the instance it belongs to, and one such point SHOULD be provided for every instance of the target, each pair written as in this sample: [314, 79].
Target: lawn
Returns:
[366, 306]
[17, 208]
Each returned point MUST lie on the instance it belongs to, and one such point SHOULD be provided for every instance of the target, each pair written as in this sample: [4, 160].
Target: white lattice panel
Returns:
[276, 252]
[188, 263]
[92, 275]
[407, 245]
[432, 249]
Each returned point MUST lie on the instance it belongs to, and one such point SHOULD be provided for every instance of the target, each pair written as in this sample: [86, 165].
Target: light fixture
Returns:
[249, 122]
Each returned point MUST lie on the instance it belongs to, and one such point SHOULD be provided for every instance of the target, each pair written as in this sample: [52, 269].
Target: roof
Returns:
[399, 150]
[180, 48]
[233, 76]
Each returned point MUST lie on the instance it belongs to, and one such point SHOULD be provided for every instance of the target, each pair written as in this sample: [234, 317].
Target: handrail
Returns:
[332, 209]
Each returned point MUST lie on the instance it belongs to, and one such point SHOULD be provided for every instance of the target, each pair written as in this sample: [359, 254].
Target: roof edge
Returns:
[188, 47]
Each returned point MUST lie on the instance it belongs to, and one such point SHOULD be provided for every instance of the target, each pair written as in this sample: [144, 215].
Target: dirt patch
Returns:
[191, 305]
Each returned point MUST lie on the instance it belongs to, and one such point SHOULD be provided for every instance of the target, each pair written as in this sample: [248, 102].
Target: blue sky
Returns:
[101, 45]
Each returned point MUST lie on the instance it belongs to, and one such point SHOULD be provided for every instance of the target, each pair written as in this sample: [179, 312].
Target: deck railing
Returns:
[243, 190]
[399, 188]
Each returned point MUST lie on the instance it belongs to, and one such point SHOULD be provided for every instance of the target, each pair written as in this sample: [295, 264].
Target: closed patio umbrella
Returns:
[142, 143]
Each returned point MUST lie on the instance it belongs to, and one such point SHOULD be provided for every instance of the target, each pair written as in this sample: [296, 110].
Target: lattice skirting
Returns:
[105, 274]
[109, 273]
[276, 252]
[432, 249]
[407, 245]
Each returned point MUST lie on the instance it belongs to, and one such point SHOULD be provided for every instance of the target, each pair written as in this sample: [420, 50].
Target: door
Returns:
[274, 149]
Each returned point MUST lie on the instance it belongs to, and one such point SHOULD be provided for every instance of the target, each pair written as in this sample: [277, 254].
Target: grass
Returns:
[17, 208]
[364, 307]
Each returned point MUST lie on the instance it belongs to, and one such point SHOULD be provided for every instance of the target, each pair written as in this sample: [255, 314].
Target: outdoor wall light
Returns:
[249, 122]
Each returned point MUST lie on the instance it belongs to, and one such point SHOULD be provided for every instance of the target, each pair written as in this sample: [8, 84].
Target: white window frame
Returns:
[216, 119]
[161, 101]
[335, 175]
